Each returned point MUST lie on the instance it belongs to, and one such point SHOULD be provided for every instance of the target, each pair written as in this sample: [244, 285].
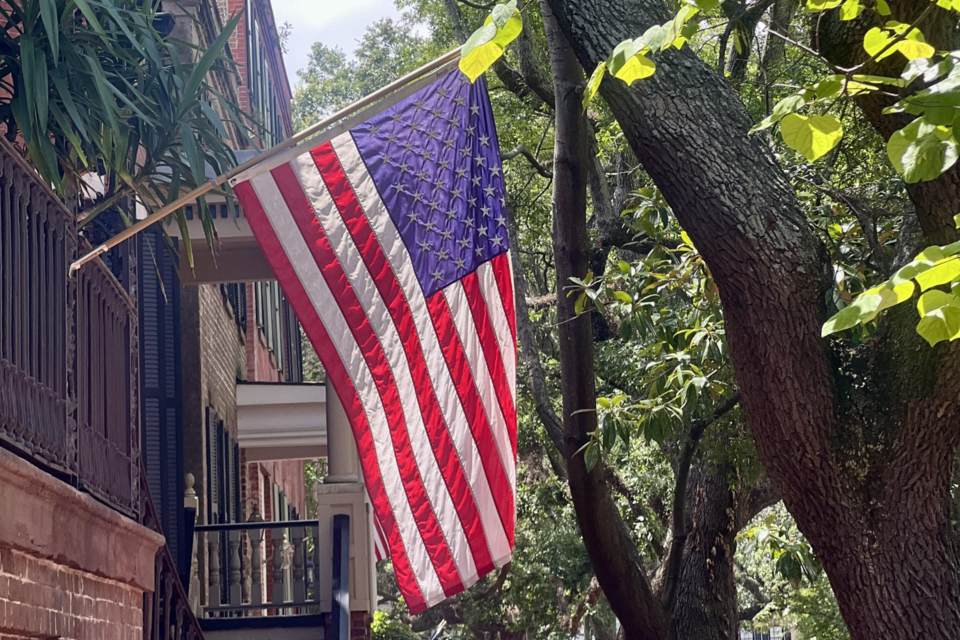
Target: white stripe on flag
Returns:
[326, 307]
[498, 317]
[451, 407]
[463, 319]
[379, 316]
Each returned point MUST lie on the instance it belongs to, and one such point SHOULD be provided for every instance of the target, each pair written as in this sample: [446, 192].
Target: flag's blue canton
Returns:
[435, 161]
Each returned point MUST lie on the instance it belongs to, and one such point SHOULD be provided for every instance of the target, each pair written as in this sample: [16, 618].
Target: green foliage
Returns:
[331, 81]
[939, 310]
[629, 62]
[92, 87]
[813, 136]
[779, 560]
[385, 626]
[487, 44]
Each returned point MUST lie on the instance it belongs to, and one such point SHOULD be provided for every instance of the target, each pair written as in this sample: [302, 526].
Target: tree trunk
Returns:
[859, 442]
[706, 607]
[614, 557]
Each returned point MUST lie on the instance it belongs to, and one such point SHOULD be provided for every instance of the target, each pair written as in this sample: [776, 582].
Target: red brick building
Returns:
[154, 424]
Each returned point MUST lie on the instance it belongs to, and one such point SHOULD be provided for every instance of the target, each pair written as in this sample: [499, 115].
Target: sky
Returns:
[334, 22]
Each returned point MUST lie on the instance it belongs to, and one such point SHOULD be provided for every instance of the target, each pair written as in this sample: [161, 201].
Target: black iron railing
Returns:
[281, 558]
[37, 242]
[68, 346]
[166, 611]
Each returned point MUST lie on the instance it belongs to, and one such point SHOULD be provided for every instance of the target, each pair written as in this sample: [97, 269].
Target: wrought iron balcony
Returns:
[68, 347]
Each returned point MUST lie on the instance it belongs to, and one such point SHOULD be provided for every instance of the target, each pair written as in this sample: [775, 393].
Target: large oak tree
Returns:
[859, 440]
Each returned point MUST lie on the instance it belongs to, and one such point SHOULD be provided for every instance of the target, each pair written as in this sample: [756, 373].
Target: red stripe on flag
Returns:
[501, 272]
[373, 353]
[386, 282]
[480, 425]
[488, 338]
[336, 373]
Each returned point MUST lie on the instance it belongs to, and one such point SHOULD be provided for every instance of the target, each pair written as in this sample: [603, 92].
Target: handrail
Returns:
[167, 608]
[246, 526]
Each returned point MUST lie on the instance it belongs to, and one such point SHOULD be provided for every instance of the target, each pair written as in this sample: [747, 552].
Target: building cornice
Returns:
[58, 523]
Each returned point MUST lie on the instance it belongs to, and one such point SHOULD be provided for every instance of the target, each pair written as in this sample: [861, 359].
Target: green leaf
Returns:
[623, 296]
[652, 37]
[591, 456]
[706, 5]
[788, 105]
[915, 46]
[625, 266]
[883, 8]
[593, 84]
[502, 13]
[956, 220]
[922, 151]
[675, 26]
[635, 68]
[940, 324]
[815, 6]
[941, 273]
[92, 20]
[813, 136]
[488, 43]
[878, 43]
[933, 300]
[850, 10]
[891, 293]
[865, 306]
[202, 67]
[51, 23]
[63, 91]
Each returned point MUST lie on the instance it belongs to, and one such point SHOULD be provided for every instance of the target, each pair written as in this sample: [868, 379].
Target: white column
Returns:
[342, 462]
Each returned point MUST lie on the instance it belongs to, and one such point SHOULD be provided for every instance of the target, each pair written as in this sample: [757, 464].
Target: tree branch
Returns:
[521, 150]
[531, 354]
[679, 527]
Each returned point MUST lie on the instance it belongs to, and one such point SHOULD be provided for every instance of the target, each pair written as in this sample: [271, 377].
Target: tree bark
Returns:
[706, 606]
[857, 441]
[614, 557]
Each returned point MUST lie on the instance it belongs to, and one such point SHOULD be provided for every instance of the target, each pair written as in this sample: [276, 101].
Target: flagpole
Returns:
[263, 156]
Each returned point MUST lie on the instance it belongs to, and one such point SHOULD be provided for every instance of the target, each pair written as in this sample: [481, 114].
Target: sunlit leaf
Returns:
[922, 151]
[940, 324]
[487, 44]
[822, 5]
[879, 43]
[636, 68]
[786, 106]
[941, 273]
[593, 84]
[811, 136]
[932, 300]
[863, 306]
[850, 10]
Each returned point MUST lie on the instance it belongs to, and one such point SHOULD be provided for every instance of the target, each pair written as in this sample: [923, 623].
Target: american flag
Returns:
[390, 242]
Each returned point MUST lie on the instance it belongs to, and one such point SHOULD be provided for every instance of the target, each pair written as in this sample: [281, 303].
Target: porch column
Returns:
[342, 463]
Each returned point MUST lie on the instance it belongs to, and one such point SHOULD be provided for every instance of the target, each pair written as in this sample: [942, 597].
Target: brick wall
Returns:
[40, 599]
[223, 355]
[360, 625]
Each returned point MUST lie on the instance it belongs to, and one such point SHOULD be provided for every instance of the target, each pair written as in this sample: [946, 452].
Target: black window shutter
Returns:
[161, 417]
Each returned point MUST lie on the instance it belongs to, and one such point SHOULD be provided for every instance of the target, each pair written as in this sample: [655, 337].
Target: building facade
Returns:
[153, 418]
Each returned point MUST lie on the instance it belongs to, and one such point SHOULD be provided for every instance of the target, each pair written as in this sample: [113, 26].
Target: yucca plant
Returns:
[93, 87]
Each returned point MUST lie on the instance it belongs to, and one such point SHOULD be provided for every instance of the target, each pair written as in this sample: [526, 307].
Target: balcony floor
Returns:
[295, 627]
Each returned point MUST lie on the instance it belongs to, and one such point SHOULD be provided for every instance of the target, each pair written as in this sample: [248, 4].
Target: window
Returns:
[263, 100]
[235, 295]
